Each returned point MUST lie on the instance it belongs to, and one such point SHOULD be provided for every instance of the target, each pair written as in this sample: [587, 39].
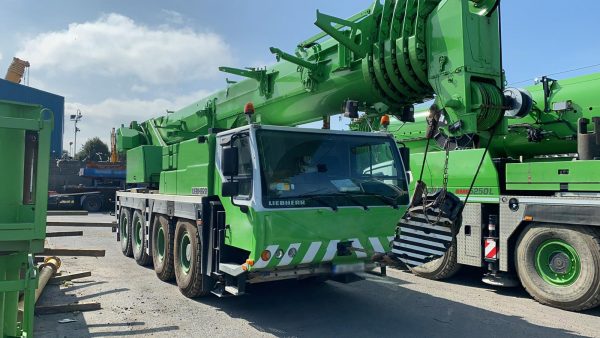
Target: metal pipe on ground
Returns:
[47, 270]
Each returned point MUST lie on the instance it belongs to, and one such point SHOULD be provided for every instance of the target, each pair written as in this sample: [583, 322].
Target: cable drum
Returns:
[487, 104]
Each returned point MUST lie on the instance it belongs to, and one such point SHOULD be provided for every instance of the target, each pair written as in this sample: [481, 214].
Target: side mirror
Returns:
[229, 161]
[230, 189]
[405, 155]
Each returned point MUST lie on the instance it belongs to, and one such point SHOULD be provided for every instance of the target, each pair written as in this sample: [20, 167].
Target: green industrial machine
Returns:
[231, 193]
[25, 132]
[534, 210]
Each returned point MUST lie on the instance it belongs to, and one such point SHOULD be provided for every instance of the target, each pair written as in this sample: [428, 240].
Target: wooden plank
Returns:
[82, 224]
[64, 233]
[67, 212]
[62, 308]
[74, 252]
[60, 279]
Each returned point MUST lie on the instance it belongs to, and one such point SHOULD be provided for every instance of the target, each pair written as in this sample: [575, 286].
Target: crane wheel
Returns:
[138, 239]
[188, 261]
[125, 231]
[441, 268]
[162, 248]
[560, 265]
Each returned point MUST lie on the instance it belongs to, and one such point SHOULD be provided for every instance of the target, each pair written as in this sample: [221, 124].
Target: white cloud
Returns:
[117, 46]
[99, 118]
[137, 88]
[173, 17]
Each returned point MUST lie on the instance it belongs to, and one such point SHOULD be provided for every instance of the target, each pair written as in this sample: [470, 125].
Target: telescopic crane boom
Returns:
[382, 61]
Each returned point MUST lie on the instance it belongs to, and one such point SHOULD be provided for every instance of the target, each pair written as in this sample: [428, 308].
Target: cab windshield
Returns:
[304, 169]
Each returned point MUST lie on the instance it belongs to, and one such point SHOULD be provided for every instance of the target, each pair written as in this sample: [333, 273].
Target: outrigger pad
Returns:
[427, 230]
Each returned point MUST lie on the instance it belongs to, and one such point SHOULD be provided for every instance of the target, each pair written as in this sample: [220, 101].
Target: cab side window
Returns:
[244, 176]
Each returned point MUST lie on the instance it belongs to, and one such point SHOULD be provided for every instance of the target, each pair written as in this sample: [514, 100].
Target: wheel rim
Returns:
[160, 245]
[92, 204]
[557, 262]
[124, 222]
[138, 233]
[185, 252]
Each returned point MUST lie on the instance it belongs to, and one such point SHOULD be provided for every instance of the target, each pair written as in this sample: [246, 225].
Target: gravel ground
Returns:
[136, 304]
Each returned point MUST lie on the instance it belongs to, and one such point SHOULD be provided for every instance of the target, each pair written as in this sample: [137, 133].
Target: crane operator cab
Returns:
[313, 195]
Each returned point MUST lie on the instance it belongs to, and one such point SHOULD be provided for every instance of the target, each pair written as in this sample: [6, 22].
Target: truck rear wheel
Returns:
[125, 231]
[138, 239]
[162, 248]
[441, 268]
[560, 265]
[92, 203]
[188, 261]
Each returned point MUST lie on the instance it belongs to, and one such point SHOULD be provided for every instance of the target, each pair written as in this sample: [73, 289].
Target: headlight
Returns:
[292, 252]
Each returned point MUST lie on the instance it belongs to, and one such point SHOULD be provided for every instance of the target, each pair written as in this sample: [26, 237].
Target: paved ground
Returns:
[135, 303]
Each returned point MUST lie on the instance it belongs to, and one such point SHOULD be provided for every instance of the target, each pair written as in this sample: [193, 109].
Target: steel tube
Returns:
[48, 269]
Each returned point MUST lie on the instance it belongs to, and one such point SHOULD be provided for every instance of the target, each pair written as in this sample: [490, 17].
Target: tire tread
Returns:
[168, 273]
[594, 235]
[142, 258]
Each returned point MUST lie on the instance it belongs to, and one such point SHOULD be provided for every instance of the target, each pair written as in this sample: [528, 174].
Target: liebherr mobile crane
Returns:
[234, 194]
[534, 210]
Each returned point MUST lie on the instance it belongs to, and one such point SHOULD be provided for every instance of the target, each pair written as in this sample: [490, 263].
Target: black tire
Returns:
[581, 294]
[187, 261]
[138, 239]
[162, 248]
[441, 268]
[125, 231]
[92, 203]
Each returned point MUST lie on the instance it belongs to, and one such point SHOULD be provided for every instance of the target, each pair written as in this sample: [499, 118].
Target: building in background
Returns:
[10, 91]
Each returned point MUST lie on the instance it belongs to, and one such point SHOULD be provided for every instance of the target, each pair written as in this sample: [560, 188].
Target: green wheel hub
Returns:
[160, 244]
[185, 252]
[123, 227]
[138, 233]
[557, 262]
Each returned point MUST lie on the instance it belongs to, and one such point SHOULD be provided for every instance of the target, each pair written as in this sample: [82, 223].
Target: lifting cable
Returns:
[444, 190]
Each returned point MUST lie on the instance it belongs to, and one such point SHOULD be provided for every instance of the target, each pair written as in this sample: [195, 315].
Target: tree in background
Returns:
[94, 150]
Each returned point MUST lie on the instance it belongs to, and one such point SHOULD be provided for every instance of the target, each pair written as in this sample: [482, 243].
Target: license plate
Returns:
[348, 268]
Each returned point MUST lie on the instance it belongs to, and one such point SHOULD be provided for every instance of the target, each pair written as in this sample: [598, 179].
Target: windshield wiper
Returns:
[320, 200]
[385, 199]
[349, 196]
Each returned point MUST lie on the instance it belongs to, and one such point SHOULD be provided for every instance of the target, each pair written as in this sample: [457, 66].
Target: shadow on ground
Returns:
[49, 325]
[375, 307]
[471, 277]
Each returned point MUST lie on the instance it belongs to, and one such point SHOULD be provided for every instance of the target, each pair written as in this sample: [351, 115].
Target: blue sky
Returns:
[124, 60]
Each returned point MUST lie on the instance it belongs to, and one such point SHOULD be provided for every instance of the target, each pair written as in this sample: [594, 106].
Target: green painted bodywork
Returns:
[188, 165]
[24, 129]
[554, 176]
[462, 166]
[323, 225]
[148, 160]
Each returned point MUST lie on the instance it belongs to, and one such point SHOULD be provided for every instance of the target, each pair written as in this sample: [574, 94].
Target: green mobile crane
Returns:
[231, 193]
[25, 132]
[533, 211]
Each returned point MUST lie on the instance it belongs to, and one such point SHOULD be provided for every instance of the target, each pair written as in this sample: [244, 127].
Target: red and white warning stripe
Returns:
[491, 249]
